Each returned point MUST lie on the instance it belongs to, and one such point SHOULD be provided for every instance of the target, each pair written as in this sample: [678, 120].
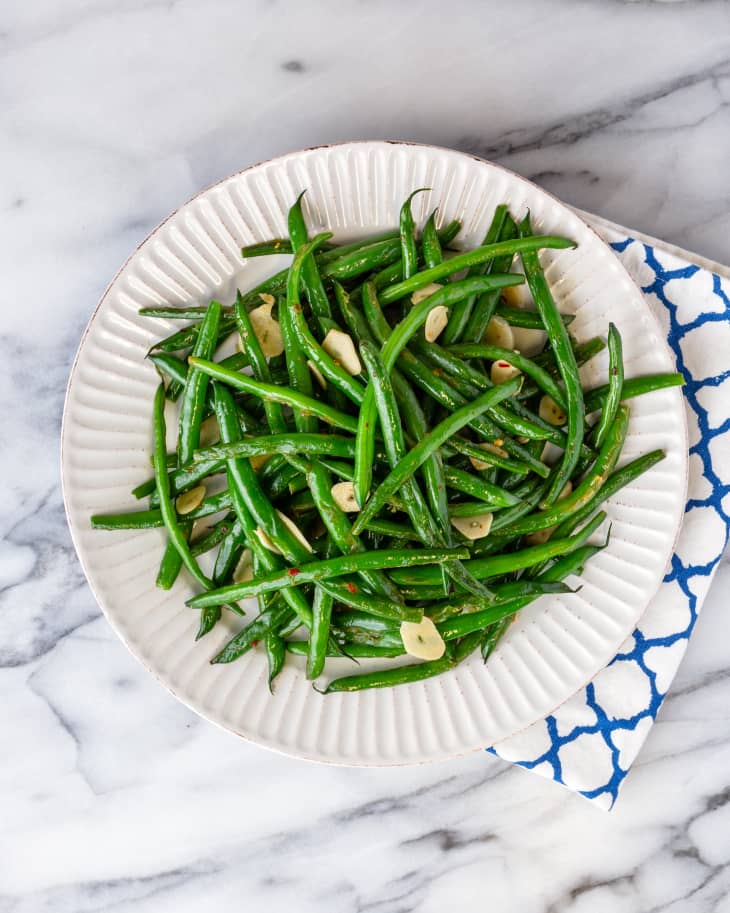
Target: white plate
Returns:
[554, 647]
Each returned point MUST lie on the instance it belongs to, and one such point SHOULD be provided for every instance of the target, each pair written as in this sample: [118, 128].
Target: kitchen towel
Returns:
[591, 741]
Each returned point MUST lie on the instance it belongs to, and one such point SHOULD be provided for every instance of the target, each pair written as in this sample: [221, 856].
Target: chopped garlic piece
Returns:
[476, 527]
[189, 500]
[265, 328]
[258, 461]
[343, 494]
[244, 568]
[294, 529]
[551, 412]
[490, 448]
[422, 293]
[503, 371]
[422, 639]
[341, 347]
[540, 537]
[436, 322]
[499, 333]
[317, 374]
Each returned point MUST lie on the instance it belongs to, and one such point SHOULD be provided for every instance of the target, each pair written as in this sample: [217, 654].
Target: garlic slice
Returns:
[476, 527]
[189, 500]
[209, 432]
[343, 494]
[244, 568]
[258, 461]
[436, 322]
[540, 537]
[293, 529]
[341, 347]
[490, 448]
[422, 293]
[317, 374]
[499, 333]
[551, 412]
[422, 639]
[502, 371]
[265, 328]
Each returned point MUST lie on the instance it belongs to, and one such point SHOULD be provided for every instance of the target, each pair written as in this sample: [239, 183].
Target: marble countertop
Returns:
[113, 796]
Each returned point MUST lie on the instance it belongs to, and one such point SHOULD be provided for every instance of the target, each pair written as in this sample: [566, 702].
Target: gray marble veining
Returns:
[113, 796]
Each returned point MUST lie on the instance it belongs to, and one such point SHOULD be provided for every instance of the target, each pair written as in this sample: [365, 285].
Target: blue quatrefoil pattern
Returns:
[590, 742]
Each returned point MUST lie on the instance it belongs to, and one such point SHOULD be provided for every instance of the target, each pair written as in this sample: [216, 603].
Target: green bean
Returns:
[167, 508]
[229, 554]
[634, 386]
[528, 320]
[267, 248]
[471, 258]
[331, 369]
[245, 494]
[338, 468]
[498, 565]
[285, 395]
[317, 646]
[259, 366]
[395, 447]
[461, 312]
[275, 655]
[351, 650]
[171, 563]
[483, 310]
[478, 488]
[340, 529]
[528, 367]
[315, 571]
[213, 536]
[272, 619]
[393, 346]
[444, 393]
[430, 244]
[588, 487]
[615, 482]
[401, 675]
[311, 279]
[196, 385]
[441, 433]
[409, 249]
[185, 339]
[289, 443]
[391, 528]
[565, 359]
[348, 593]
[615, 384]
[467, 448]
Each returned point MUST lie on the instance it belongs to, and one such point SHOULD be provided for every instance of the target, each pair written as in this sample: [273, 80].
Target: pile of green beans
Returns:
[363, 474]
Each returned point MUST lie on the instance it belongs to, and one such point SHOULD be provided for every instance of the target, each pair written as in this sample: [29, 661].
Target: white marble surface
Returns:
[112, 795]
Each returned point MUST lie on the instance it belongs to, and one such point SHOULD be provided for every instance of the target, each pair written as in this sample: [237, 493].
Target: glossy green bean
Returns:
[255, 631]
[350, 650]
[498, 565]
[528, 367]
[275, 655]
[527, 320]
[285, 395]
[587, 488]
[430, 244]
[615, 385]
[479, 488]
[401, 675]
[415, 457]
[167, 507]
[633, 386]
[565, 359]
[484, 308]
[461, 312]
[289, 443]
[315, 571]
[408, 246]
[196, 385]
[471, 258]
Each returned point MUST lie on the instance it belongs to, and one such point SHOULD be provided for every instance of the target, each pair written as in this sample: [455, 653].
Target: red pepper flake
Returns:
[351, 588]
[293, 571]
[254, 643]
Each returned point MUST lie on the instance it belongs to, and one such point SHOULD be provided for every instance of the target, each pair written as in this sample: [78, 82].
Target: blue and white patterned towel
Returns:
[590, 742]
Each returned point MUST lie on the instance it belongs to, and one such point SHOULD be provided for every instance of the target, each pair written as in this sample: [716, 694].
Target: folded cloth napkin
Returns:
[590, 742]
